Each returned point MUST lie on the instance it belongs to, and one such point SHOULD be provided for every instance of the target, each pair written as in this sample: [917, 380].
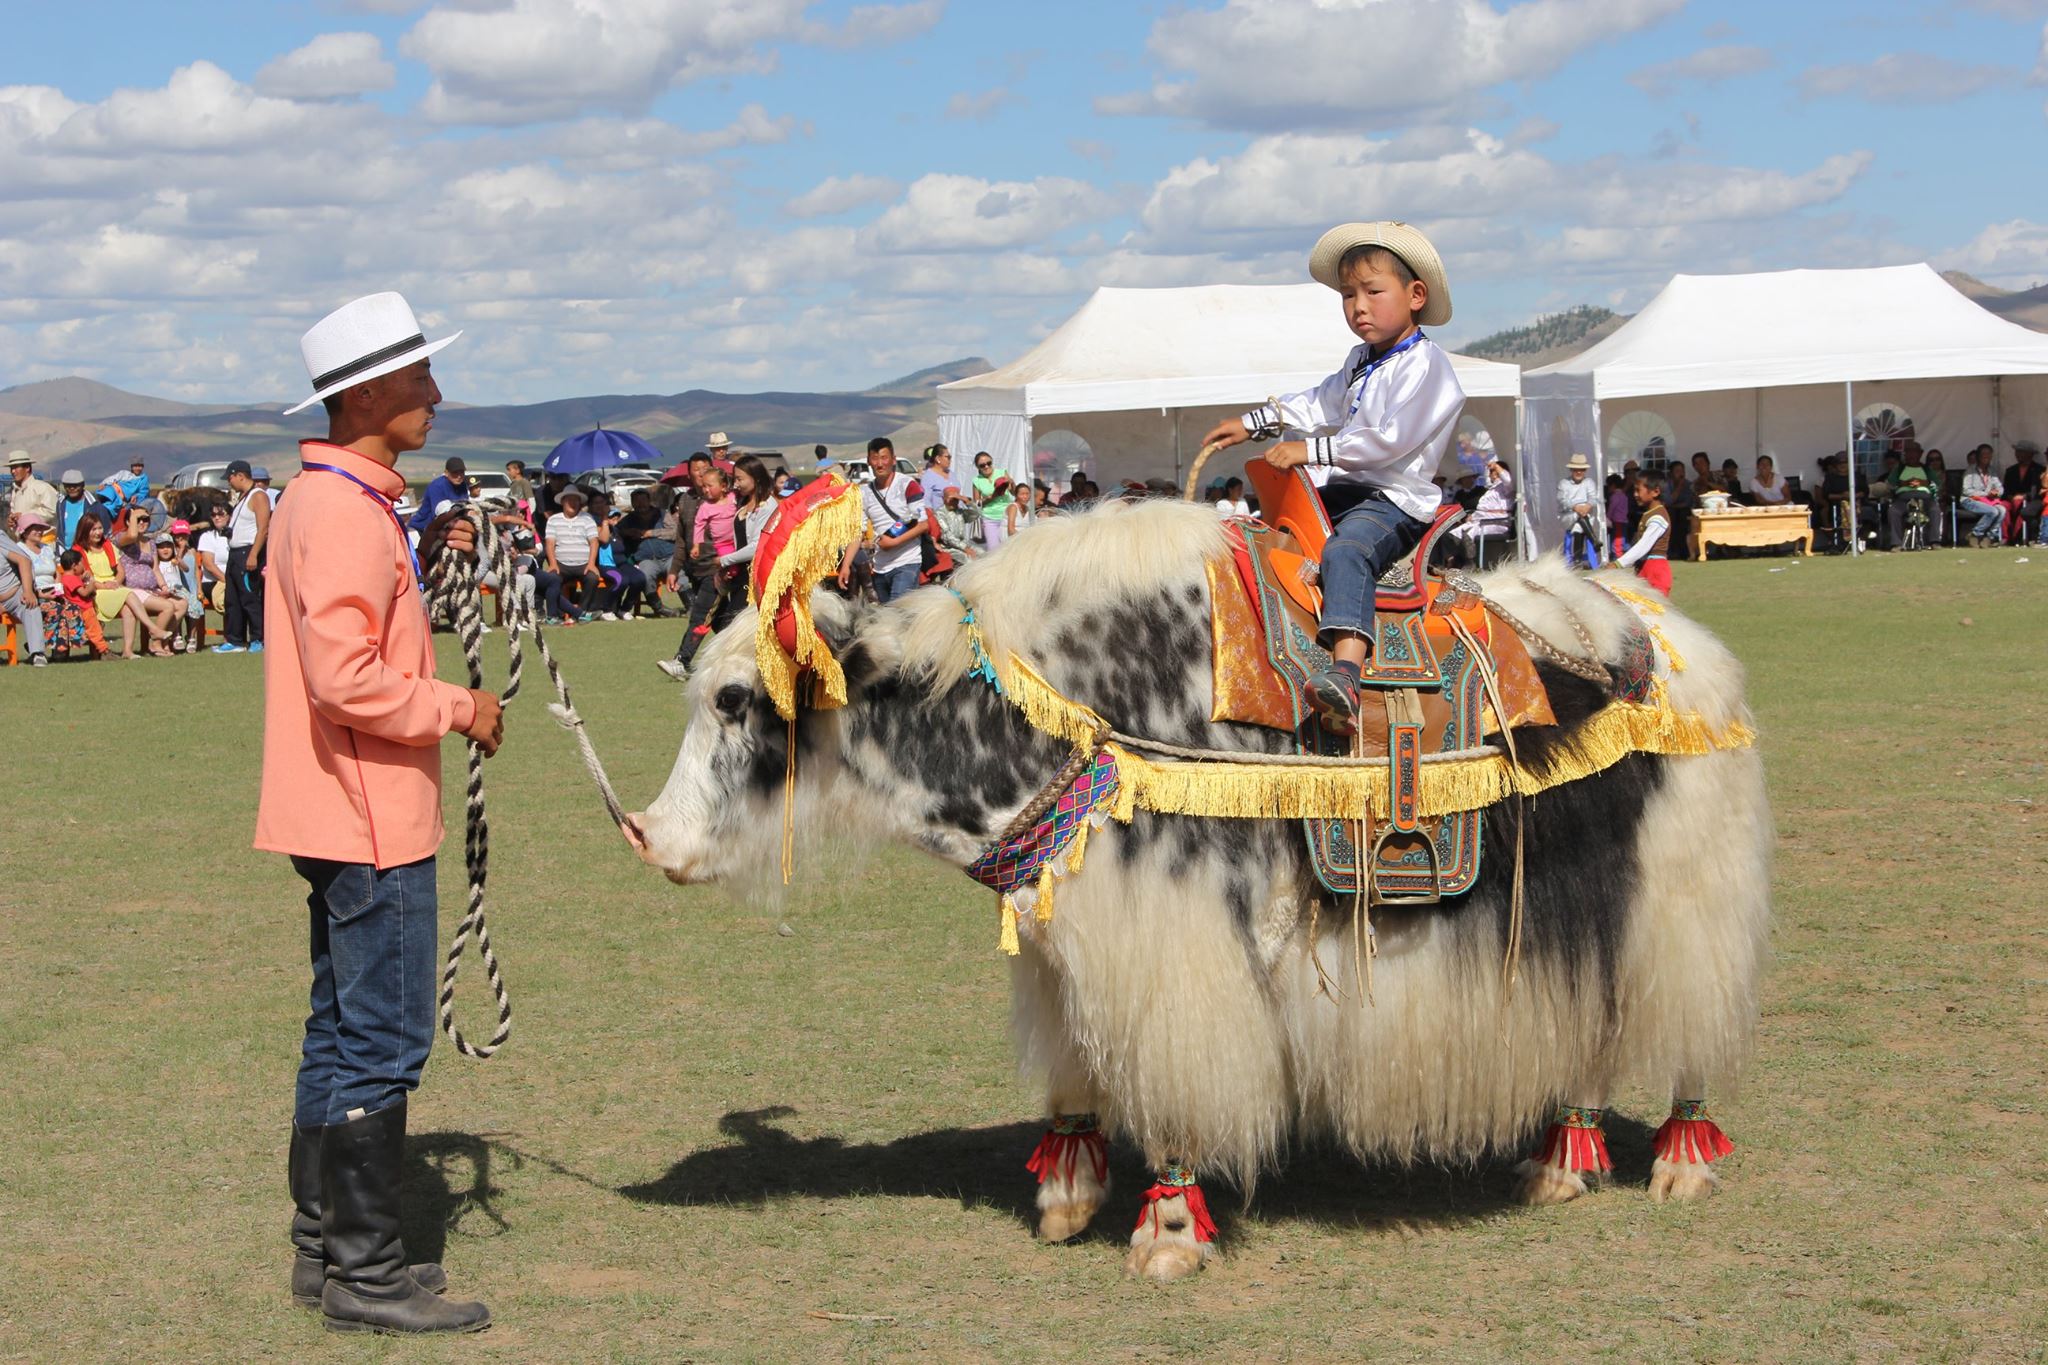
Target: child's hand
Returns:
[1228, 432]
[1287, 454]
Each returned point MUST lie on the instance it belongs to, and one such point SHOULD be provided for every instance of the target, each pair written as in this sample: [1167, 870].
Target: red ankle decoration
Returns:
[1574, 1141]
[1177, 1180]
[1689, 1135]
[1060, 1149]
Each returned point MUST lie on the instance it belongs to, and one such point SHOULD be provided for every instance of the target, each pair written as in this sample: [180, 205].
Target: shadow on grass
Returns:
[984, 1168]
[448, 1187]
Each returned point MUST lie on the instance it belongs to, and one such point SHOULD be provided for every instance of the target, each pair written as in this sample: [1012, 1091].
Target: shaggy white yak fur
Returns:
[1145, 1002]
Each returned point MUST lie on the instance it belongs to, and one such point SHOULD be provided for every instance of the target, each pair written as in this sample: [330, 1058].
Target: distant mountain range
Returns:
[98, 428]
[77, 422]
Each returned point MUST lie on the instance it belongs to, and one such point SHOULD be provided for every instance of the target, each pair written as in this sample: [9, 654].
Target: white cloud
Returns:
[1274, 64]
[533, 61]
[837, 194]
[200, 109]
[964, 213]
[2013, 253]
[1709, 65]
[1903, 78]
[332, 66]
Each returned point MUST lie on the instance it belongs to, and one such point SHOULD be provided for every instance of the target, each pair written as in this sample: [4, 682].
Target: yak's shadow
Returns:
[447, 1187]
[984, 1168]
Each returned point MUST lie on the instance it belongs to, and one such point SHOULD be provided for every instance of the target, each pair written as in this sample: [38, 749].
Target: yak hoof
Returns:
[1682, 1182]
[1543, 1183]
[1164, 1247]
[1062, 1221]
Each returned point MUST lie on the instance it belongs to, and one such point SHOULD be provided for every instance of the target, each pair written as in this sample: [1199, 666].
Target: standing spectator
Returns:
[1232, 503]
[521, 486]
[569, 550]
[72, 508]
[947, 505]
[896, 519]
[1650, 555]
[212, 550]
[248, 534]
[1579, 502]
[992, 495]
[18, 597]
[721, 448]
[1984, 499]
[451, 485]
[754, 502]
[1492, 519]
[1681, 500]
[30, 496]
[1618, 503]
[685, 568]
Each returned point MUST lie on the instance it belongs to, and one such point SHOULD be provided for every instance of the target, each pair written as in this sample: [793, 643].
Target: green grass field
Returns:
[705, 1129]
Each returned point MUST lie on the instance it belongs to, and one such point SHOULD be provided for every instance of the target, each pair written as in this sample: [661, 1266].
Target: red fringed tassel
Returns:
[1689, 1135]
[1198, 1208]
[1058, 1153]
[1575, 1143]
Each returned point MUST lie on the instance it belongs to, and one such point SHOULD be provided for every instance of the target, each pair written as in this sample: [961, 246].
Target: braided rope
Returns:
[454, 589]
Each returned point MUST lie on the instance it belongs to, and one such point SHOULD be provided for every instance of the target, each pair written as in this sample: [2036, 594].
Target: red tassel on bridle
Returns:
[1689, 1135]
[1177, 1180]
[1574, 1142]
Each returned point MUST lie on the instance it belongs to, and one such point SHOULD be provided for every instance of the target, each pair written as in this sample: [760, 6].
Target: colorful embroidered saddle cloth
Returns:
[1426, 691]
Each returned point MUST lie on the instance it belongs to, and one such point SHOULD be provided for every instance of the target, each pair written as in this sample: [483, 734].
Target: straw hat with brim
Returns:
[719, 438]
[360, 340]
[1577, 462]
[18, 457]
[572, 491]
[1404, 241]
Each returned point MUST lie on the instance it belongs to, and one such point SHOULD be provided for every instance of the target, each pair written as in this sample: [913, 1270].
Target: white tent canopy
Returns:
[1139, 374]
[1780, 364]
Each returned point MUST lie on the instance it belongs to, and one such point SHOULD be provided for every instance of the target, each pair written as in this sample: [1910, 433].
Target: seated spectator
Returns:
[138, 556]
[112, 598]
[1911, 490]
[2023, 495]
[18, 598]
[170, 583]
[1937, 485]
[1232, 503]
[1766, 489]
[2032, 505]
[625, 586]
[211, 549]
[1492, 519]
[1984, 499]
[571, 558]
[1703, 473]
[188, 569]
[1731, 480]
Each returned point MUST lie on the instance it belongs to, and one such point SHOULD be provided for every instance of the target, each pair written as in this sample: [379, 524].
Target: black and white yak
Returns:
[1174, 997]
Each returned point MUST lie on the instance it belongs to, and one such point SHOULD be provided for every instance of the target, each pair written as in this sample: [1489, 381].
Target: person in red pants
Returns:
[1649, 556]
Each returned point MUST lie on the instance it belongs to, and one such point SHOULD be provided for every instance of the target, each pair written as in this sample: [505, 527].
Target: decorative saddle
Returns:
[1425, 690]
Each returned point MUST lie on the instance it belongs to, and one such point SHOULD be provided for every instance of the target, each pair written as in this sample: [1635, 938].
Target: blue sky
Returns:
[651, 195]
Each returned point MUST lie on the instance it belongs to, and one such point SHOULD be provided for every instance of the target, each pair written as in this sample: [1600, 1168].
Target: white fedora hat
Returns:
[719, 438]
[1404, 241]
[372, 335]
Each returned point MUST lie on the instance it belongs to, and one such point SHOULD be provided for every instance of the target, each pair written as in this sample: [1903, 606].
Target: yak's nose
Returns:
[636, 834]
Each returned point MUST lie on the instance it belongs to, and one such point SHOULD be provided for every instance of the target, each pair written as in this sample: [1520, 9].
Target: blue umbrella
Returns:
[600, 449]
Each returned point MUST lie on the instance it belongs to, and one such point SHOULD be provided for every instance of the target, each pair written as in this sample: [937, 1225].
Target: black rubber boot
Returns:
[369, 1287]
[309, 1263]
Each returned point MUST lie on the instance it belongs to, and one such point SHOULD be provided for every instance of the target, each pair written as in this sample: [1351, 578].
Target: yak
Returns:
[1181, 998]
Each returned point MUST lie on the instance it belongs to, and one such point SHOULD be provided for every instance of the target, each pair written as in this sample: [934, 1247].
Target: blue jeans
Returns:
[893, 584]
[1990, 516]
[1581, 543]
[371, 1022]
[1371, 534]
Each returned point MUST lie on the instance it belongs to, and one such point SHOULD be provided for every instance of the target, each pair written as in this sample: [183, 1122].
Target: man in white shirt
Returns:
[571, 553]
[30, 496]
[1578, 506]
[248, 532]
[898, 522]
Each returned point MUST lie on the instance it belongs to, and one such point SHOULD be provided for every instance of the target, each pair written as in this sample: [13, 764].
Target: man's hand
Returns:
[487, 726]
[1228, 432]
[451, 531]
[1285, 455]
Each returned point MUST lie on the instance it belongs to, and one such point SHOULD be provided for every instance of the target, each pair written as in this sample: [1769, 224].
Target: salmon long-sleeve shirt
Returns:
[353, 716]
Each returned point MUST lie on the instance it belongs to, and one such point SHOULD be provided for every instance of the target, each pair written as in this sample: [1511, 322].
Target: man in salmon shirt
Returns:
[353, 723]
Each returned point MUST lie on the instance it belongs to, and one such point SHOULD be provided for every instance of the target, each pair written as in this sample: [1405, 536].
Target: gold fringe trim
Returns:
[811, 553]
[1264, 792]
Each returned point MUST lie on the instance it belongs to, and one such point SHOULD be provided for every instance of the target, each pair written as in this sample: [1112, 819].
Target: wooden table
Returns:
[1751, 526]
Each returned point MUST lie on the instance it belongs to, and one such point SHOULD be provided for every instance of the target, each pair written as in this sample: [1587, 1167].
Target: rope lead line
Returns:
[454, 588]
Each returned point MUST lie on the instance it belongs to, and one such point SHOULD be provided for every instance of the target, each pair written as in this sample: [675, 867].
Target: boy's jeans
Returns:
[1371, 533]
[371, 1023]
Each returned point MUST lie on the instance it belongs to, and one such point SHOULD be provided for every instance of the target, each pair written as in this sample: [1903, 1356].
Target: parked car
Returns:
[618, 481]
[196, 489]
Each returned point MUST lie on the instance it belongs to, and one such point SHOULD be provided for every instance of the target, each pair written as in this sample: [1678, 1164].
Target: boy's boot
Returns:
[309, 1264]
[369, 1287]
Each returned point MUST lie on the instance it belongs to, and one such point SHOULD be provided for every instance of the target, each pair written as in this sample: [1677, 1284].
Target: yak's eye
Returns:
[732, 700]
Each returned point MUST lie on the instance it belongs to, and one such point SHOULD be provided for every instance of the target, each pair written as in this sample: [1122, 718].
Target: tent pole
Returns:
[1849, 425]
[1176, 447]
